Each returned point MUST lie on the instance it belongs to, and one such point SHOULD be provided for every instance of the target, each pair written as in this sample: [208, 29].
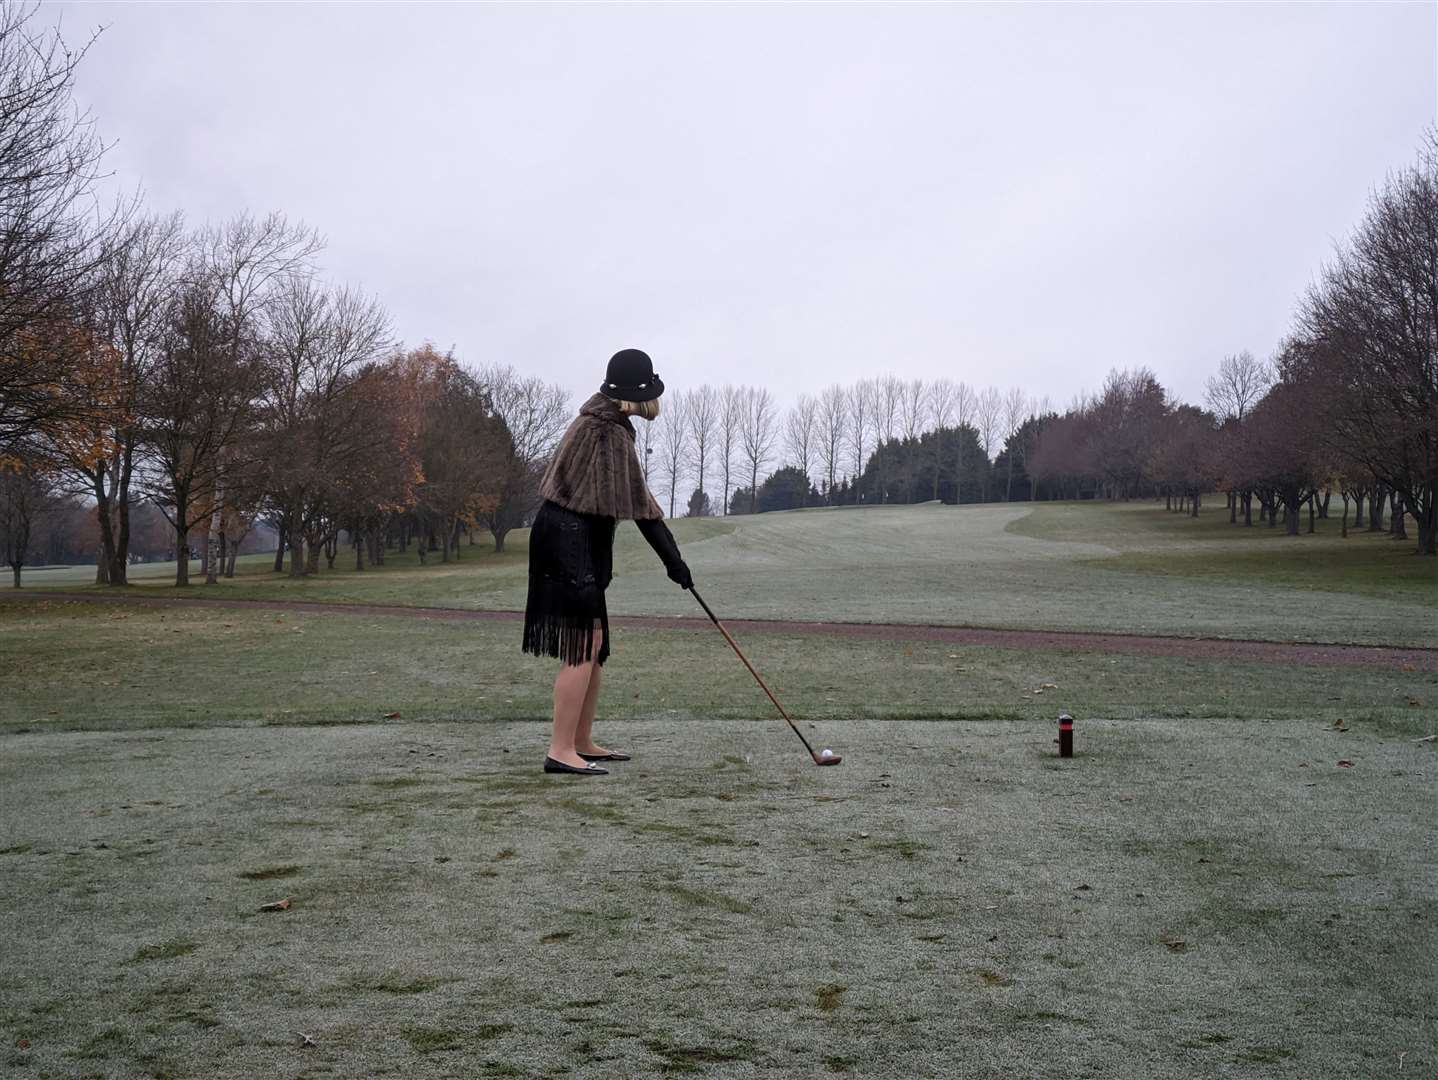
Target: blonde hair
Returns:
[646, 409]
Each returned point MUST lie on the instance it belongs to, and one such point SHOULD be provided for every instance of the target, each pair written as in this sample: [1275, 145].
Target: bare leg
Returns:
[583, 737]
[571, 698]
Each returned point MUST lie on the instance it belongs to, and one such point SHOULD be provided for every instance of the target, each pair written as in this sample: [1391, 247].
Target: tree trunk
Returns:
[1248, 509]
[1232, 507]
[182, 548]
[314, 543]
[281, 542]
[212, 545]
[1375, 509]
[15, 569]
[106, 558]
[297, 553]
[120, 564]
[359, 550]
[1194, 511]
[1312, 502]
[1358, 509]
[1291, 508]
[1323, 506]
[1345, 516]
[1428, 526]
[499, 535]
[1397, 511]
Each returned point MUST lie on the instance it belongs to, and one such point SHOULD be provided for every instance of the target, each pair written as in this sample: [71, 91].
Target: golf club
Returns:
[827, 757]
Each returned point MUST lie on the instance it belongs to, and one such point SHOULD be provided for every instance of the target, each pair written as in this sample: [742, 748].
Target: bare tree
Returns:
[316, 420]
[1016, 409]
[758, 434]
[940, 400]
[1240, 382]
[536, 414]
[914, 408]
[965, 406]
[731, 420]
[137, 279]
[988, 412]
[27, 491]
[888, 399]
[859, 428]
[462, 447]
[250, 262]
[49, 163]
[800, 430]
[704, 407]
[196, 403]
[673, 439]
[832, 416]
[1368, 336]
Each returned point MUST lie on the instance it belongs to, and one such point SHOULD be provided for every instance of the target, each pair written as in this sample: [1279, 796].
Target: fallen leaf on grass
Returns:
[391, 716]
[23, 1044]
[1427, 738]
[277, 905]
[1339, 725]
[306, 1040]
[1345, 764]
[1174, 944]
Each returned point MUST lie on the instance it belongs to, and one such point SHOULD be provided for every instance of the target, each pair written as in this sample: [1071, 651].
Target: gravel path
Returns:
[1270, 652]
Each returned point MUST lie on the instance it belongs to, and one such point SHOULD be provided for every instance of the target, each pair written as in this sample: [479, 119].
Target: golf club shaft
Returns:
[739, 652]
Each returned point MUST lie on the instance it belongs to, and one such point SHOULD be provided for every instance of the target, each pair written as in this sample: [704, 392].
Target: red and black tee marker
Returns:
[1066, 735]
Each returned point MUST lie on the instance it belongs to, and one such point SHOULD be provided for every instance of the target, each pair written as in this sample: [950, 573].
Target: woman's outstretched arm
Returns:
[662, 541]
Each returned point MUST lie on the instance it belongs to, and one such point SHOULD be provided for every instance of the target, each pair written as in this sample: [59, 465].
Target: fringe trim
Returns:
[563, 636]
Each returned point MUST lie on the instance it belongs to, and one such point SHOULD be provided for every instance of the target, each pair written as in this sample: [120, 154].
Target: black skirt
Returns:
[571, 561]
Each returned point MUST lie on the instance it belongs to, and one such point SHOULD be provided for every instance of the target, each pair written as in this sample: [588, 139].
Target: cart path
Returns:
[1401, 658]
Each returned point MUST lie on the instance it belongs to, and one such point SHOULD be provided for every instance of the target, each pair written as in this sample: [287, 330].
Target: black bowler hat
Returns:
[631, 377]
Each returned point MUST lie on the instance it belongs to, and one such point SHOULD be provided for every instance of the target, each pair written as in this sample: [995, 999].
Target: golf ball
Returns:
[826, 752]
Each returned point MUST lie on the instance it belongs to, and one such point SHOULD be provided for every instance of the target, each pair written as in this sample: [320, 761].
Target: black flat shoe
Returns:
[613, 755]
[550, 765]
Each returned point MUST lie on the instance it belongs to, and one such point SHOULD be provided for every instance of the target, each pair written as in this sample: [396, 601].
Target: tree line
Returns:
[1348, 405]
[213, 375]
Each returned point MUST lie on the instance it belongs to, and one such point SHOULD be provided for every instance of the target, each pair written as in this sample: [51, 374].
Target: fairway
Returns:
[1130, 568]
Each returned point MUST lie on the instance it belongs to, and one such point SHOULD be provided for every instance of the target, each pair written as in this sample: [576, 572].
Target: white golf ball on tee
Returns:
[826, 752]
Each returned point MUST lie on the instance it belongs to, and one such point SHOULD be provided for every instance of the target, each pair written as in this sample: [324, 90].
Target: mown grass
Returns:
[1180, 900]
[1151, 541]
[83, 667]
[1130, 568]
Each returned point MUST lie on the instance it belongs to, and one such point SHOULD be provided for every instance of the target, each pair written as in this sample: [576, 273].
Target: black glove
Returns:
[662, 541]
[679, 574]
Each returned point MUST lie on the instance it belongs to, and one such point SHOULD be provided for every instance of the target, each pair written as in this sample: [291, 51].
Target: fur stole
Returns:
[596, 468]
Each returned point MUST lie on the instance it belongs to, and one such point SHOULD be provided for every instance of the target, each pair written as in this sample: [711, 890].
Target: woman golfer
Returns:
[594, 480]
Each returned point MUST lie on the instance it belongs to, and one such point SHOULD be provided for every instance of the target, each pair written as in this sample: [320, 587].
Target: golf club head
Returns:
[832, 759]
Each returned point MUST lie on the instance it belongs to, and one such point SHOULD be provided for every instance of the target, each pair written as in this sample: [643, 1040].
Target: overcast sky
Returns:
[788, 195]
